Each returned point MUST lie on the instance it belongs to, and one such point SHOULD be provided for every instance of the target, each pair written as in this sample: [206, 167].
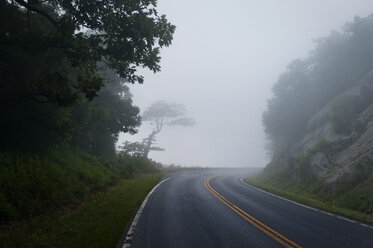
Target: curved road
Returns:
[196, 209]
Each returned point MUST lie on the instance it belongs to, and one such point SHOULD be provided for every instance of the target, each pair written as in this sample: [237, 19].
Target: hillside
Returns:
[320, 122]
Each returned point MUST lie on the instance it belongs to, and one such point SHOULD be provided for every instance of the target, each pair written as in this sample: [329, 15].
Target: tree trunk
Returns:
[149, 142]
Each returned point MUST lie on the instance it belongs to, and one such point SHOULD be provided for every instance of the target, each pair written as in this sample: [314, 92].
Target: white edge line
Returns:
[131, 230]
[302, 205]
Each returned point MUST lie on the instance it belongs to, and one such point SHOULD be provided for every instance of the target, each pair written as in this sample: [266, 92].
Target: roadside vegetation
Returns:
[350, 196]
[65, 67]
[341, 204]
[36, 185]
[318, 126]
[98, 221]
[337, 62]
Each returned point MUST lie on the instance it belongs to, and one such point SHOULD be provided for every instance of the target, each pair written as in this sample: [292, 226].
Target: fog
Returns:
[224, 59]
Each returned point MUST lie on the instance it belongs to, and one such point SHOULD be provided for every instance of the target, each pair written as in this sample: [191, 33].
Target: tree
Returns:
[159, 115]
[132, 148]
[337, 62]
[99, 122]
[49, 52]
[123, 34]
[74, 36]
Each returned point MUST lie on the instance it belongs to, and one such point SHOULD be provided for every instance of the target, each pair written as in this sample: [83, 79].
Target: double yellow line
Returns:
[258, 224]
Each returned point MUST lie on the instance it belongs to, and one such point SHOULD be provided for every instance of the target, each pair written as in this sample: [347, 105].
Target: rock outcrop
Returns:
[348, 149]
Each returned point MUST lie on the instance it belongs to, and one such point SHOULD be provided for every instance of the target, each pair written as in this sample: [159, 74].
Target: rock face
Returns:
[349, 149]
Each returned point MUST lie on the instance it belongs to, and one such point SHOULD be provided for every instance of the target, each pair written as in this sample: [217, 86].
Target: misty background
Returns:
[224, 59]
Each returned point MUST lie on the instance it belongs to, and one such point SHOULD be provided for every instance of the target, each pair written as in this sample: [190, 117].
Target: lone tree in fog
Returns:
[159, 115]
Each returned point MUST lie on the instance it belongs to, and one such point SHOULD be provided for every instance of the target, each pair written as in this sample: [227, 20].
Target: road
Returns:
[214, 208]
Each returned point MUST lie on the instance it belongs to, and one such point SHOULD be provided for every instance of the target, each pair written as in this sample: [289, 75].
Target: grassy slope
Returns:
[337, 204]
[32, 185]
[68, 198]
[98, 222]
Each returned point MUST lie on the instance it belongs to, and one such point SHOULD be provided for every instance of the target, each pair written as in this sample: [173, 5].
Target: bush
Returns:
[130, 165]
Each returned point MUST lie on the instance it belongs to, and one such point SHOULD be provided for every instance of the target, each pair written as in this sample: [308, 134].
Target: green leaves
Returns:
[99, 122]
[122, 34]
[160, 114]
[49, 52]
[337, 62]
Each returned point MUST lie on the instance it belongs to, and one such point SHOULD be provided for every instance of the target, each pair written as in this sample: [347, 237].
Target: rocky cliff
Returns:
[335, 147]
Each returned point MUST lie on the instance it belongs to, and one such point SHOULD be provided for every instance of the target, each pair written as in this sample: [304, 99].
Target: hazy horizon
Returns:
[224, 59]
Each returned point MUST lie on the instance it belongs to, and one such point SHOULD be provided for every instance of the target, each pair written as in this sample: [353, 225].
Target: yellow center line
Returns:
[251, 217]
[255, 222]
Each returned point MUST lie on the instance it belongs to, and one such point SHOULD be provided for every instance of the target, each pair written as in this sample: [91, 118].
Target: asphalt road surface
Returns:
[214, 208]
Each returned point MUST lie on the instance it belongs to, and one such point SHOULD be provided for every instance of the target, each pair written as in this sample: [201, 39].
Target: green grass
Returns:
[32, 185]
[98, 222]
[314, 200]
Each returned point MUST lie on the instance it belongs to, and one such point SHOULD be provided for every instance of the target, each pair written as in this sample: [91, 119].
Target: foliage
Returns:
[27, 89]
[32, 184]
[65, 67]
[354, 191]
[287, 112]
[122, 34]
[132, 148]
[337, 62]
[38, 184]
[34, 127]
[57, 55]
[98, 222]
[130, 165]
[344, 111]
[326, 203]
[160, 114]
[296, 172]
[99, 122]
[349, 196]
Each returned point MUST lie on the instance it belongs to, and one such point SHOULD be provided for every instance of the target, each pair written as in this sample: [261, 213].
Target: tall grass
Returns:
[33, 185]
[99, 222]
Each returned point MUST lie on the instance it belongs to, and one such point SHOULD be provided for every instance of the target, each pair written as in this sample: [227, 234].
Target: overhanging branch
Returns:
[39, 11]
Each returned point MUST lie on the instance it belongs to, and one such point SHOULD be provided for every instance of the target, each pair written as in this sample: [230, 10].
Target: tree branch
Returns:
[39, 11]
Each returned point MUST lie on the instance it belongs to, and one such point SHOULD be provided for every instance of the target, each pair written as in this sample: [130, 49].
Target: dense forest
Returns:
[64, 99]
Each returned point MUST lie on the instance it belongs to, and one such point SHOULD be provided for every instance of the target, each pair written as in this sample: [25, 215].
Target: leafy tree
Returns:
[132, 148]
[99, 122]
[286, 116]
[337, 62]
[123, 34]
[49, 51]
[159, 115]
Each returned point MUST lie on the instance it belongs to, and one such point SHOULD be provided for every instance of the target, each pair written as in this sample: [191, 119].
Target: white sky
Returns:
[225, 57]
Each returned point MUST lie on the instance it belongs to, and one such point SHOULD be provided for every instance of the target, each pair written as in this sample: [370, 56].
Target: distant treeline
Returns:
[338, 61]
